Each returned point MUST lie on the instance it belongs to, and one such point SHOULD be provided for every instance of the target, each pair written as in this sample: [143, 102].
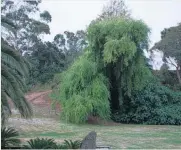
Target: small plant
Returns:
[69, 144]
[43, 143]
[8, 137]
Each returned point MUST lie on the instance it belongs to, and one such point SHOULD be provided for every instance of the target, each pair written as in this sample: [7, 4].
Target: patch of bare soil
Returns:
[42, 103]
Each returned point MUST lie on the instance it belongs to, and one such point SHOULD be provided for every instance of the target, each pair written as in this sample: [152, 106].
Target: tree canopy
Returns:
[115, 8]
[170, 45]
[115, 55]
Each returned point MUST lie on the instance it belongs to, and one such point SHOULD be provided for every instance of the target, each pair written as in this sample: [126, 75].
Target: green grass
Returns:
[122, 136]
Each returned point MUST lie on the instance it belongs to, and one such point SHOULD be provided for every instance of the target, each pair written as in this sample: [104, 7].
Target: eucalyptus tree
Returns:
[71, 44]
[47, 59]
[170, 45]
[29, 29]
[115, 8]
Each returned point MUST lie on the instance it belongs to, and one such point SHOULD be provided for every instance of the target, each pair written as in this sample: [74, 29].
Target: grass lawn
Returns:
[119, 136]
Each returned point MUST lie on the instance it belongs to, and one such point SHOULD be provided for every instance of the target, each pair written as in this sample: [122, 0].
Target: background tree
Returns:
[45, 57]
[29, 29]
[170, 45]
[47, 60]
[115, 8]
[167, 77]
[72, 44]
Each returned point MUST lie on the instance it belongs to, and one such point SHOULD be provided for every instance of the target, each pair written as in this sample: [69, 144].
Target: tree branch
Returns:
[171, 62]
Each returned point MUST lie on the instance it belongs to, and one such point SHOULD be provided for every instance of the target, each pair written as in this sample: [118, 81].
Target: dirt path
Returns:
[41, 104]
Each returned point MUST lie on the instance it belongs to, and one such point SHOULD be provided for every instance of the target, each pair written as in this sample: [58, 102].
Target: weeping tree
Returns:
[112, 67]
[84, 92]
[117, 46]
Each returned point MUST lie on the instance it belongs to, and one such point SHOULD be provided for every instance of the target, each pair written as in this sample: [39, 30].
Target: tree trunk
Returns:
[178, 74]
[114, 92]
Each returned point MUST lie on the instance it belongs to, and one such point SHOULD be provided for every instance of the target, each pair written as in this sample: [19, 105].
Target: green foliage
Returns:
[45, 143]
[167, 77]
[110, 69]
[46, 60]
[46, 16]
[9, 137]
[49, 58]
[171, 47]
[155, 104]
[72, 44]
[69, 144]
[114, 8]
[117, 46]
[114, 48]
[28, 28]
[14, 71]
[42, 143]
[83, 92]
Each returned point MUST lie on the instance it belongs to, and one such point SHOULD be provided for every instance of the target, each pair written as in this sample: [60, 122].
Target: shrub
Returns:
[69, 144]
[83, 92]
[43, 143]
[9, 138]
[156, 104]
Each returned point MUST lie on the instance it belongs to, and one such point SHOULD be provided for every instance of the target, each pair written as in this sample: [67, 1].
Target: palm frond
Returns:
[13, 90]
[9, 137]
[8, 24]
[14, 70]
[11, 62]
[13, 57]
[69, 144]
[5, 108]
[43, 143]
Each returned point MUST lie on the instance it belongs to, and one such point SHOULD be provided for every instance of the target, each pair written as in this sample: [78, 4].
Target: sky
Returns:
[73, 15]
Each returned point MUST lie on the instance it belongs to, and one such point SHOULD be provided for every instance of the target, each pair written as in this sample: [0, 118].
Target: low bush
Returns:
[9, 138]
[43, 143]
[156, 104]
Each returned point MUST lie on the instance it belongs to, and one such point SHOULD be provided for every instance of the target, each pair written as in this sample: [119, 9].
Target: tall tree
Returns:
[29, 29]
[167, 77]
[117, 46]
[115, 8]
[170, 45]
[111, 68]
[47, 59]
[72, 44]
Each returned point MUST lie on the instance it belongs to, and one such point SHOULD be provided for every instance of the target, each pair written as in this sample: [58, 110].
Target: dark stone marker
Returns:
[89, 141]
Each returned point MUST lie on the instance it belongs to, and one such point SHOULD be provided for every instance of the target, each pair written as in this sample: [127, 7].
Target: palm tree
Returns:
[14, 70]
